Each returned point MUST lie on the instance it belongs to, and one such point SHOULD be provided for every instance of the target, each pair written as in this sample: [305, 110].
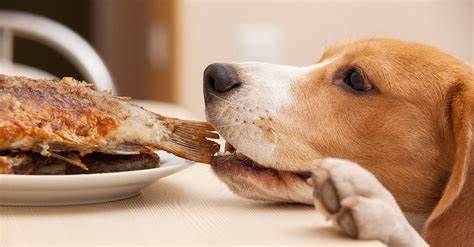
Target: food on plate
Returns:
[66, 127]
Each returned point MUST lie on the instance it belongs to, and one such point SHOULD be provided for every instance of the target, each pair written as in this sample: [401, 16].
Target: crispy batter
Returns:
[64, 112]
[67, 115]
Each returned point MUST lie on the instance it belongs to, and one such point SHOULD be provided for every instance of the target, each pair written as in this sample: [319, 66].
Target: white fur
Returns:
[275, 80]
[244, 118]
[373, 208]
[264, 92]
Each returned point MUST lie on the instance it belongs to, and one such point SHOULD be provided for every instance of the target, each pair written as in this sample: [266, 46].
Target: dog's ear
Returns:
[450, 223]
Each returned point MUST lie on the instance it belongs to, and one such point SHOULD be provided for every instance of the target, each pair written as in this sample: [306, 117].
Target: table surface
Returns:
[191, 207]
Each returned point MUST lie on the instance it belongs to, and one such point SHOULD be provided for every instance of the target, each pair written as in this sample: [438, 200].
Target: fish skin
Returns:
[68, 115]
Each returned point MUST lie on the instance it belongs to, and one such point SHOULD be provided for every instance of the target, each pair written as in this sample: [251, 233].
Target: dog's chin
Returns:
[233, 160]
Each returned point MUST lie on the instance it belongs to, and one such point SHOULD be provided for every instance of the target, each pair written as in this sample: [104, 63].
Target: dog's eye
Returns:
[356, 81]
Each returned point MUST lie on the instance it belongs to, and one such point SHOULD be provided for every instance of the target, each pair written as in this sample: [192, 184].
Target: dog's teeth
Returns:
[220, 153]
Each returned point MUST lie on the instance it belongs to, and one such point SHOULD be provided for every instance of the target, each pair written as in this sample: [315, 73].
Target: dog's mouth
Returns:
[232, 158]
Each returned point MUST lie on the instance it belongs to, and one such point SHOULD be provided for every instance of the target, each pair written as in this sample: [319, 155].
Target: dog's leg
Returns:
[360, 205]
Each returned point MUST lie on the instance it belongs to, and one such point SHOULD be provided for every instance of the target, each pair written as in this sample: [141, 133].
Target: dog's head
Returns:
[388, 105]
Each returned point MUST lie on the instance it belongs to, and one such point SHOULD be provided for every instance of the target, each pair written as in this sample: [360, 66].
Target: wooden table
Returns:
[188, 208]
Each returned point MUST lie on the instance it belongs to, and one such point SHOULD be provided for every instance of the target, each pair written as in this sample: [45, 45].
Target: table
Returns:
[188, 208]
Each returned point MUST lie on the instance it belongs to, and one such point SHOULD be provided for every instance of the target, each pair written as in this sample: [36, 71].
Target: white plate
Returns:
[50, 190]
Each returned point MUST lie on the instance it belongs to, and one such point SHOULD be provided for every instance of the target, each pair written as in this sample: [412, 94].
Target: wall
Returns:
[135, 38]
[38, 55]
[296, 32]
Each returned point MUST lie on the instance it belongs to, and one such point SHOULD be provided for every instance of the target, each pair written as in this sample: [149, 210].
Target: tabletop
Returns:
[191, 207]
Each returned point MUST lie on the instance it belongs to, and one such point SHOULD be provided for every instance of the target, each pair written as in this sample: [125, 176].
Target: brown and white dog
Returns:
[397, 117]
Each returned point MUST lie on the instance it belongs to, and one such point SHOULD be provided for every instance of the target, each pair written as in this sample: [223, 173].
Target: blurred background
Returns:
[158, 49]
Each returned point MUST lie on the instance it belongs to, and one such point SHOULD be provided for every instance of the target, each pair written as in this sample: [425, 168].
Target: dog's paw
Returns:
[359, 204]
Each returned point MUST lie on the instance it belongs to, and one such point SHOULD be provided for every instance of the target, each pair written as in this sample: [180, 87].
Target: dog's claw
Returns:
[355, 201]
[347, 224]
[329, 197]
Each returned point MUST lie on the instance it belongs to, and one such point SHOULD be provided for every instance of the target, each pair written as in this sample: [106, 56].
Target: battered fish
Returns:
[64, 127]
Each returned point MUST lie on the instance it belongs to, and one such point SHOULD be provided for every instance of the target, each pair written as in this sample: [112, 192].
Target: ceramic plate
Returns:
[49, 190]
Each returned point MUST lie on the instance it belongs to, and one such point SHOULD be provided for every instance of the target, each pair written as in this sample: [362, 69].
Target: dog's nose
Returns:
[220, 77]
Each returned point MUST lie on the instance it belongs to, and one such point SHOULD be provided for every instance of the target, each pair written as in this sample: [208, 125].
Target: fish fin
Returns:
[72, 159]
[190, 140]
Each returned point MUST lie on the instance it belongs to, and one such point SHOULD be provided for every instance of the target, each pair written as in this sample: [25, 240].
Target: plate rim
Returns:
[183, 164]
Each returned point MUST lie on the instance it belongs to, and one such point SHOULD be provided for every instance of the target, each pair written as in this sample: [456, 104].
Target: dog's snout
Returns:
[220, 77]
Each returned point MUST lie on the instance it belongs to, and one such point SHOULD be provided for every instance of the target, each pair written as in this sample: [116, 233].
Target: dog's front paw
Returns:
[359, 204]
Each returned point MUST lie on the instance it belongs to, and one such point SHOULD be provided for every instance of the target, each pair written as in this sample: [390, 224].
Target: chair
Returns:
[55, 35]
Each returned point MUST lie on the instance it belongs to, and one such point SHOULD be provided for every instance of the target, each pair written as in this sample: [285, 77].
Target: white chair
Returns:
[56, 36]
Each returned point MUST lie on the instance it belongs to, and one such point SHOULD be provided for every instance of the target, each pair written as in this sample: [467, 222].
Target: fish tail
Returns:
[190, 140]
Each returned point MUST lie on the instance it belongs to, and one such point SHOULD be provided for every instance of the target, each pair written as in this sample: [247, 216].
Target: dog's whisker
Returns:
[221, 113]
[222, 99]
[228, 125]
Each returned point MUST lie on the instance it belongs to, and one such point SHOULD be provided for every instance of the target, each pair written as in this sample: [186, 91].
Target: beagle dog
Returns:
[377, 135]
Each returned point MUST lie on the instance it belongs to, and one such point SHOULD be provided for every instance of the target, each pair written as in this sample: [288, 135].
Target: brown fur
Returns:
[413, 133]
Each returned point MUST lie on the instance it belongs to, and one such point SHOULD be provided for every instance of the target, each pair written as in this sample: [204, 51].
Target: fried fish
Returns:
[66, 127]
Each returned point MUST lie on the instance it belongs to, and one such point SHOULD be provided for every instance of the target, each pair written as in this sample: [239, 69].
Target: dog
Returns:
[377, 134]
